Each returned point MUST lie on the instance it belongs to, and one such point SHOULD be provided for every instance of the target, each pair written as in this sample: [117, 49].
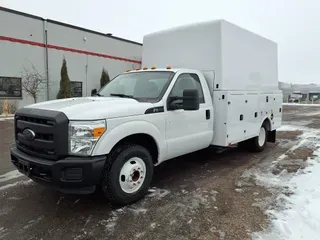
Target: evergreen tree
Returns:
[104, 78]
[65, 83]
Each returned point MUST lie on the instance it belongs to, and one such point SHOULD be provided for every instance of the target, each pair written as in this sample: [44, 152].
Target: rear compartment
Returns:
[238, 115]
[230, 57]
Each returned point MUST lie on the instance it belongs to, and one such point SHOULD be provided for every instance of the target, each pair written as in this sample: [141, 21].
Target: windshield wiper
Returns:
[121, 95]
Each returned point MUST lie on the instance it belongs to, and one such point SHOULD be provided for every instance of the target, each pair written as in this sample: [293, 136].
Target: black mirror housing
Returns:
[191, 101]
[93, 92]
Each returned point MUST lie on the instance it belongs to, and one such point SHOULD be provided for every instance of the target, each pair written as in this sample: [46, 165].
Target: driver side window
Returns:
[187, 81]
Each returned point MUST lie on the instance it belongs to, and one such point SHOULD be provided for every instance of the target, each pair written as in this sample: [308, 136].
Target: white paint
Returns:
[3, 232]
[91, 108]
[6, 118]
[215, 46]
[17, 198]
[19, 183]
[301, 104]
[33, 222]
[10, 175]
[157, 193]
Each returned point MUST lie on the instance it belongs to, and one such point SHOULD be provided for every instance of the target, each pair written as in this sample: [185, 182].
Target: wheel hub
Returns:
[132, 175]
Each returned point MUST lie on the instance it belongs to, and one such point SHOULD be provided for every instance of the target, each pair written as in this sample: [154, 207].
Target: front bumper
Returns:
[75, 175]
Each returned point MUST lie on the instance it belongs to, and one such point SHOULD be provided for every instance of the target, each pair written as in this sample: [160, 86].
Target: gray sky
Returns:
[293, 24]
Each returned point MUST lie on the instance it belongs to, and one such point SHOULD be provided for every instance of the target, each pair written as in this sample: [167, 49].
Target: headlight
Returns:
[83, 136]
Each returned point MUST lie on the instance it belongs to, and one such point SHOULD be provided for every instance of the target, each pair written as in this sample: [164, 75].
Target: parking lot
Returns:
[204, 195]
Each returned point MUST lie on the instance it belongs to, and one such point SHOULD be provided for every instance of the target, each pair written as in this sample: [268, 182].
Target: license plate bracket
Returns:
[24, 167]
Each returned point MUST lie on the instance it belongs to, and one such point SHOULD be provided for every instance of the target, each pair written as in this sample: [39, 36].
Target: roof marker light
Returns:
[153, 67]
[168, 67]
[145, 68]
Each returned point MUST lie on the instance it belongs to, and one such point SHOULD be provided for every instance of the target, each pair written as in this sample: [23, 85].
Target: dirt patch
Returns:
[290, 165]
[237, 212]
[291, 135]
[293, 161]
[300, 153]
[314, 124]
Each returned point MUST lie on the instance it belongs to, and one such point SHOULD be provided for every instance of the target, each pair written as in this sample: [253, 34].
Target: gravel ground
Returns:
[199, 196]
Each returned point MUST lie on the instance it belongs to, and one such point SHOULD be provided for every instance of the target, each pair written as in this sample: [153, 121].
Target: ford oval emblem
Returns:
[28, 134]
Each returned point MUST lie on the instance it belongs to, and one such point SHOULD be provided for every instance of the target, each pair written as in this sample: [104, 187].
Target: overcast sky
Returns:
[293, 24]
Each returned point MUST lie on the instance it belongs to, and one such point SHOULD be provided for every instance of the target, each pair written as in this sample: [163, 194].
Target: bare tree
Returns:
[32, 82]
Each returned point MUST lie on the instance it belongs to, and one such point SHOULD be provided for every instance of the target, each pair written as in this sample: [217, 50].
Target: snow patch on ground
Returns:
[293, 208]
[301, 104]
[136, 210]
[10, 175]
[287, 128]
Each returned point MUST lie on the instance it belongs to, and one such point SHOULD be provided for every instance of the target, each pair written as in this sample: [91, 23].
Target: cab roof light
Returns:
[168, 67]
[128, 70]
[153, 67]
[137, 69]
[145, 68]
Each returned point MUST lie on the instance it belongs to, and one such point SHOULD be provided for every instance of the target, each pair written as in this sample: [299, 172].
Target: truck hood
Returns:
[90, 108]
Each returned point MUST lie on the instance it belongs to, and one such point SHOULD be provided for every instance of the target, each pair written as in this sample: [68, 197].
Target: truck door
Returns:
[188, 131]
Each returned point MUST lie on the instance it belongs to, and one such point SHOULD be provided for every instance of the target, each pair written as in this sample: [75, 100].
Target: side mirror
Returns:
[191, 100]
[93, 92]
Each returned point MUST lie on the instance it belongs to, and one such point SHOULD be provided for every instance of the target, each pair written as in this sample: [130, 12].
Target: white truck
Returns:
[220, 89]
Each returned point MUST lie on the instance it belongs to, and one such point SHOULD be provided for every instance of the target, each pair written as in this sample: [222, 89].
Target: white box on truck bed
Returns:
[231, 58]
[240, 68]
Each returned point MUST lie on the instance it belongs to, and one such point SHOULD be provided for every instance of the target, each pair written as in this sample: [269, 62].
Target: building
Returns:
[304, 92]
[27, 40]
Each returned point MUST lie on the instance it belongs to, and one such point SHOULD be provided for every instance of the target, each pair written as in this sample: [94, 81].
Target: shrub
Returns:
[65, 83]
[104, 78]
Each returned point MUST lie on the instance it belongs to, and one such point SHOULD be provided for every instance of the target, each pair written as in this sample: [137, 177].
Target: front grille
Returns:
[51, 133]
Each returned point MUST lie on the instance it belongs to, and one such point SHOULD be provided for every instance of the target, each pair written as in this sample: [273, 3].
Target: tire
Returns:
[127, 175]
[259, 142]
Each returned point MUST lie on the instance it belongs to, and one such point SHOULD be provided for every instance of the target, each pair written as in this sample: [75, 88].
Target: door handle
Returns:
[207, 114]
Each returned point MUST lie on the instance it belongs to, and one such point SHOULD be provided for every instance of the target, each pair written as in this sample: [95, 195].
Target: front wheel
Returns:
[127, 174]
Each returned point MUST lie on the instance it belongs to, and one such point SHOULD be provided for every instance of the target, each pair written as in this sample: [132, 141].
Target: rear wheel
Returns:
[259, 142]
[127, 174]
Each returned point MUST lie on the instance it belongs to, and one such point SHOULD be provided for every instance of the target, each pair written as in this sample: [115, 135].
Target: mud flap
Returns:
[271, 136]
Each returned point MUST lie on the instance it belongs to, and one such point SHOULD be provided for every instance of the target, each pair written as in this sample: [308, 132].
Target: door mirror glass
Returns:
[188, 102]
[186, 93]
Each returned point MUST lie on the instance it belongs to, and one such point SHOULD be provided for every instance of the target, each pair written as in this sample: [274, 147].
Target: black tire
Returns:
[110, 179]
[255, 146]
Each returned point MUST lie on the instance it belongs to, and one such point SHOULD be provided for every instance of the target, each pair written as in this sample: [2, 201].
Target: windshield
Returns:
[143, 86]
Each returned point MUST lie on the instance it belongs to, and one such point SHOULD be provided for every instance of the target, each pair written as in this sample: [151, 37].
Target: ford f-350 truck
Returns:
[221, 89]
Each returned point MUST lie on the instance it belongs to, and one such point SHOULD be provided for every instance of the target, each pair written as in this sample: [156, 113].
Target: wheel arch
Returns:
[267, 123]
[138, 132]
